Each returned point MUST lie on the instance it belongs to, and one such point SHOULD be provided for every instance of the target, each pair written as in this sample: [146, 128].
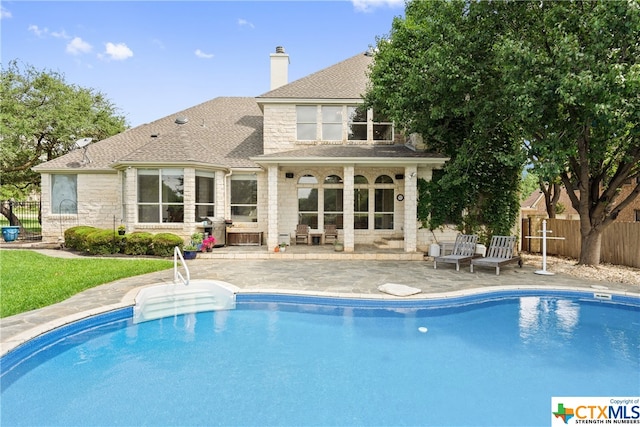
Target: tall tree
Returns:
[572, 72]
[435, 75]
[41, 117]
[561, 79]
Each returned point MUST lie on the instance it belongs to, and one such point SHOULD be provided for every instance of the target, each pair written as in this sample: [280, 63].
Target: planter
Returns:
[190, 254]
[10, 233]
[338, 247]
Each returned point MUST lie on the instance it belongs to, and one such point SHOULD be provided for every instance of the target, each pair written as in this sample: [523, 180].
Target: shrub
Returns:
[138, 243]
[103, 242]
[75, 237]
[163, 243]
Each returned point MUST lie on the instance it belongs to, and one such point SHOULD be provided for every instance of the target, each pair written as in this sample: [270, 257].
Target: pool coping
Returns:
[6, 346]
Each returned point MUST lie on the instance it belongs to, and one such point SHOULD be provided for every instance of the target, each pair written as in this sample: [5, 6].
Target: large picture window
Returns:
[160, 195]
[244, 198]
[205, 195]
[64, 195]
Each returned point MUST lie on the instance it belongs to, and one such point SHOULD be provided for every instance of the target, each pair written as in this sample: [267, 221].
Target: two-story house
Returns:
[305, 152]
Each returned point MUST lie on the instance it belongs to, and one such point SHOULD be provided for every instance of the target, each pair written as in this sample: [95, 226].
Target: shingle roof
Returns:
[345, 80]
[228, 131]
[224, 131]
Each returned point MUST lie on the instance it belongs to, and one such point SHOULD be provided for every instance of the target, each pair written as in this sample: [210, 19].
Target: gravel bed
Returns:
[603, 272]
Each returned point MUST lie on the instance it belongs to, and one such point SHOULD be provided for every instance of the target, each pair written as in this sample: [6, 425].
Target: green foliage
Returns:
[489, 83]
[138, 243]
[29, 280]
[75, 237]
[572, 78]
[41, 117]
[437, 75]
[528, 185]
[164, 244]
[103, 242]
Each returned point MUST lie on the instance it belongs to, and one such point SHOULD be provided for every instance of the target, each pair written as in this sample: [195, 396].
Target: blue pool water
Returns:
[274, 361]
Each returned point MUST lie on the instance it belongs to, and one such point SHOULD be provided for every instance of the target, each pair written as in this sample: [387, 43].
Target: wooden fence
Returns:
[620, 241]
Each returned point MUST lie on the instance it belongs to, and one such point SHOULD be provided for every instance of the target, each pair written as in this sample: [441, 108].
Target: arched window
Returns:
[384, 179]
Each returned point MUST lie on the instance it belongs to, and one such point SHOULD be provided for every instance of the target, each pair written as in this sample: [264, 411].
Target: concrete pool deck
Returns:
[297, 274]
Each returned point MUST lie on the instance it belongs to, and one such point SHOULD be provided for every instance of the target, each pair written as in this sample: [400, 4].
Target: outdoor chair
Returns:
[331, 232]
[500, 253]
[464, 249]
[302, 234]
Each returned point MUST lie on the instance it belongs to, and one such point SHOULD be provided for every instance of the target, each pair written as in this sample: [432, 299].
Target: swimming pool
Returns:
[494, 359]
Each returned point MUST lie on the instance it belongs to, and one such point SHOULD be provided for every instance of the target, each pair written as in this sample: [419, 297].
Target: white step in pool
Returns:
[165, 300]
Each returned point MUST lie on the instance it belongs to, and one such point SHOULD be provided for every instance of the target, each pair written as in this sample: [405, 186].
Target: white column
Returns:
[410, 208]
[272, 207]
[347, 202]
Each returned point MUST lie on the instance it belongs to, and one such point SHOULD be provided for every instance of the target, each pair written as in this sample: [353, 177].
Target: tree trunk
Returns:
[590, 247]
[13, 219]
[551, 197]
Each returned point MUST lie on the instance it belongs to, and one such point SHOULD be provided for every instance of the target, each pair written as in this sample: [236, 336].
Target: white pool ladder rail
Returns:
[176, 274]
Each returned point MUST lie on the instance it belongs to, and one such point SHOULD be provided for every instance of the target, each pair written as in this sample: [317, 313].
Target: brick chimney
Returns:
[279, 68]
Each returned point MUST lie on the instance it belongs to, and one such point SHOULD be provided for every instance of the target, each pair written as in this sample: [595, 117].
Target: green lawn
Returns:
[29, 280]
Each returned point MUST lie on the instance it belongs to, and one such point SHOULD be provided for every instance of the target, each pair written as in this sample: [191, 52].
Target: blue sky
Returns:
[154, 58]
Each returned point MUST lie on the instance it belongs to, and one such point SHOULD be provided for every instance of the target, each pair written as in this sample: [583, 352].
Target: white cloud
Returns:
[117, 52]
[245, 23]
[201, 54]
[369, 5]
[44, 32]
[4, 13]
[60, 34]
[37, 30]
[77, 46]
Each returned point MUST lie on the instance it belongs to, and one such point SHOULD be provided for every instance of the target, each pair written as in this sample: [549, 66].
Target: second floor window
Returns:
[331, 123]
[341, 123]
[306, 120]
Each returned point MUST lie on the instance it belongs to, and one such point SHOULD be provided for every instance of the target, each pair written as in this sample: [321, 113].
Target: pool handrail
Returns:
[176, 274]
